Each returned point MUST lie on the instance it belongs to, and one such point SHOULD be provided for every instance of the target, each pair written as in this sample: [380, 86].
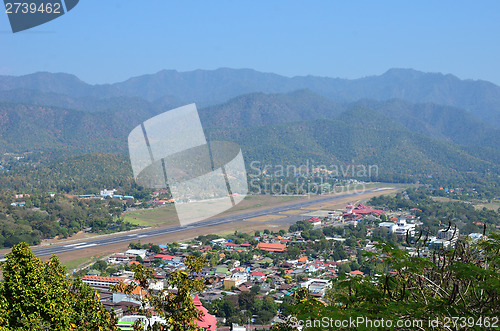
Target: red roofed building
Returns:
[164, 257]
[315, 221]
[360, 211]
[160, 191]
[258, 273]
[278, 248]
[206, 321]
[102, 283]
[356, 273]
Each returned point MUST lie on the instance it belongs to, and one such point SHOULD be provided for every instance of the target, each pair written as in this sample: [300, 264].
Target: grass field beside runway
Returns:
[166, 215]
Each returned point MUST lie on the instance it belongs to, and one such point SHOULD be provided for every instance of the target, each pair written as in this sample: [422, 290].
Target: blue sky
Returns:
[105, 41]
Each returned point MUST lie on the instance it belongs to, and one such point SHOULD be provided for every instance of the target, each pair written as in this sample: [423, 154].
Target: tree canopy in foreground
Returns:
[456, 289]
[38, 296]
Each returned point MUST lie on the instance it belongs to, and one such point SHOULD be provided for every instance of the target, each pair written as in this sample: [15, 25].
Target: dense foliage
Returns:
[453, 289]
[41, 216]
[435, 214]
[38, 296]
[176, 307]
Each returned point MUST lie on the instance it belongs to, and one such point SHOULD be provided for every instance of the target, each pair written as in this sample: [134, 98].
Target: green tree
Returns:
[100, 265]
[176, 307]
[461, 283]
[246, 300]
[38, 296]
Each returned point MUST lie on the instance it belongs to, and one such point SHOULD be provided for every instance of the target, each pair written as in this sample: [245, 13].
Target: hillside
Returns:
[87, 103]
[439, 122]
[30, 127]
[359, 136]
[406, 141]
[210, 87]
[260, 109]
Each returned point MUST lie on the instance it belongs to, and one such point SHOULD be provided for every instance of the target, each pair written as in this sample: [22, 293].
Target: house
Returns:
[220, 241]
[277, 248]
[119, 258]
[257, 275]
[400, 227]
[403, 228]
[390, 227]
[136, 252]
[221, 271]
[315, 221]
[356, 273]
[450, 235]
[230, 282]
[102, 283]
[475, 236]
[360, 211]
[206, 321]
[302, 259]
[211, 296]
[163, 257]
[107, 193]
[135, 297]
[316, 286]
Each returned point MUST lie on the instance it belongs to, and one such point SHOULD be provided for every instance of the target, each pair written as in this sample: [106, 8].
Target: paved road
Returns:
[49, 250]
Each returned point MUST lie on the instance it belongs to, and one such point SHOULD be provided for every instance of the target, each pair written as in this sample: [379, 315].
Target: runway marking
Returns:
[73, 245]
[85, 246]
[383, 189]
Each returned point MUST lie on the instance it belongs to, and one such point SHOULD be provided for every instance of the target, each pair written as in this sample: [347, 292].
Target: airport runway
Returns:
[126, 237]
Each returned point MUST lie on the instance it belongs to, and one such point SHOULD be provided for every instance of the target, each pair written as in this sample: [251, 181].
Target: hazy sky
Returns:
[105, 41]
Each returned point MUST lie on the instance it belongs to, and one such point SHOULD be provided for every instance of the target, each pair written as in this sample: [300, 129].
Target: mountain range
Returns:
[406, 122]
[210, 87]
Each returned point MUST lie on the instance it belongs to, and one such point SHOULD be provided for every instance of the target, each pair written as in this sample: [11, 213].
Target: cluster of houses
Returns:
[231, 277]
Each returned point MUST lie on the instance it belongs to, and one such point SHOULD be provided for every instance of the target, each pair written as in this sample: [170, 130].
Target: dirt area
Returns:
[444, 199]
[265, 218]
[341, 203]
[166, 216]
[494, 205]
[293, 212]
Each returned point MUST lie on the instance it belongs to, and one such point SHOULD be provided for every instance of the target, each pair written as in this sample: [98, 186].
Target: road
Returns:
[49, 250]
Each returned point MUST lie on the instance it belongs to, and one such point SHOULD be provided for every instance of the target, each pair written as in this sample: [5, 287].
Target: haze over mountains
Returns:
[402, 119]
[208, 87]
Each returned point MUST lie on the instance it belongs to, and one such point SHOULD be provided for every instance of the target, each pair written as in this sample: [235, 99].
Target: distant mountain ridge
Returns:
[273, 118]
[24, 126]
[210, 87]
[359, 135]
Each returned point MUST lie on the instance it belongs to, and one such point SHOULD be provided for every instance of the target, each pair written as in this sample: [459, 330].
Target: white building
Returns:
[400, 228]
[136, 252]
[475, 236]
[450, 235]
[220, 241]
[316, 285]
[119, 258]
[108, 193]
[403, 228]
